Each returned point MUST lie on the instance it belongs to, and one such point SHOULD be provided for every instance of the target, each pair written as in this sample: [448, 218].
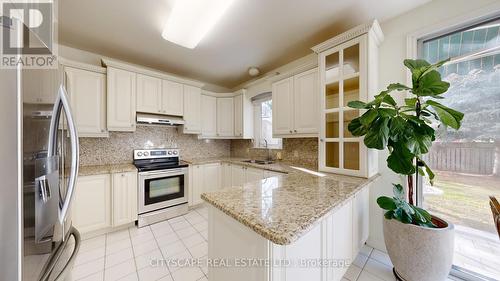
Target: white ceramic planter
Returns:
[420, 253]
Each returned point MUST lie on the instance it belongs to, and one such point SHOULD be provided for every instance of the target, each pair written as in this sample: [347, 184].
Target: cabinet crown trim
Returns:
[81, 65]
[150, 72]
[373, 28]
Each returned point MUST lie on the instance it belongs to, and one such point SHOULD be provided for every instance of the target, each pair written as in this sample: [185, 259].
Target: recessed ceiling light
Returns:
[191, 20]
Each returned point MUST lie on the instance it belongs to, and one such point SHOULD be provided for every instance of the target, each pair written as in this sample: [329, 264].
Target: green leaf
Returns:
[396, 127]
[387, 112]
[401, 160]
[389, 214]
[397, 87]
[429, 172]
[389, 100]
[398, 191]
[431, 85]
[386, 203]
[448, 116]
[356, 128]
[357, 104]
[368, 117]
[411, 102]
[378, 134]
[420, 139]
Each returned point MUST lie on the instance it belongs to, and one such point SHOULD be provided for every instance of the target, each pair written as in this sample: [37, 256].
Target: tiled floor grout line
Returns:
[133, 254]
[195, 210]
[161, 252]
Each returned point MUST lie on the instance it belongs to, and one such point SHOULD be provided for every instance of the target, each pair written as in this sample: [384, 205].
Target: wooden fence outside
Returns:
[466, 157]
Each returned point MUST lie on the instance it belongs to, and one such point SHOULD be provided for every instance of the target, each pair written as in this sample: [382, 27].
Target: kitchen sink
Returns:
[260, 162]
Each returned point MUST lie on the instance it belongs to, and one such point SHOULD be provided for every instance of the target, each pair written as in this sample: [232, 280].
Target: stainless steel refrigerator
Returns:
[38, 172]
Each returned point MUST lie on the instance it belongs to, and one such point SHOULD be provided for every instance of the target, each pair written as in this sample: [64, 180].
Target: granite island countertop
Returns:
[284, 208]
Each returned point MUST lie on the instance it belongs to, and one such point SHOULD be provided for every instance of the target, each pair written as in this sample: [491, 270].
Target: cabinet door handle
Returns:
[295, 131]
[291, 131]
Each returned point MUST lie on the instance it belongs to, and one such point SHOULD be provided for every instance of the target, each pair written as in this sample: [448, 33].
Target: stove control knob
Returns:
[169, 152]
[175, 152]
[146, 153]
[139, 154]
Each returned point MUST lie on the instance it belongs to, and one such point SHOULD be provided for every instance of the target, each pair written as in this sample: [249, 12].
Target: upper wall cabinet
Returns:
[348, 71]
[295, 105]
[243, 116]
[192, 110]
[40, 86]
[149, 91]
[208, 116]
[121, 100]
[225, 117]
[87, 92]
[172, 98]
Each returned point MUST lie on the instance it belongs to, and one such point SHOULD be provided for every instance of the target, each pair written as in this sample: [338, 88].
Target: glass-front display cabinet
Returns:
[347, 72]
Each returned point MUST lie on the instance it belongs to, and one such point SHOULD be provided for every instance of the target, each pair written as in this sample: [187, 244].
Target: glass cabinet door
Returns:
[341, 68]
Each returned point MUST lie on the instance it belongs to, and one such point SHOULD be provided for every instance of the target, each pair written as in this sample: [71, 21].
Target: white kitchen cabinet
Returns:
[306, 102]
[92, 203]
[40, 86]
[149, 93]
[342, 238]
[121, 99]
[192, 110]
[243, 116]
[226, 175]
[225, 117]
[295, 105]
[283, 107]
[123, 198]
[253, 174]
[209, 116]
[196, 184]
[348, 72]
[172, 98]
[211, 177]
[238, 175]
[87, 93]
[360, 218]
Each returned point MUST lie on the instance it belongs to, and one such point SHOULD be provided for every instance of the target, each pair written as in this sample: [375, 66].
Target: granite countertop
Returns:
[106, 169]
[284, 208]
[275, 167]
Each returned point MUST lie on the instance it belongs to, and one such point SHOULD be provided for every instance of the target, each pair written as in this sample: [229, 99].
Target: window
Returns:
[464, 160]
[263, 123]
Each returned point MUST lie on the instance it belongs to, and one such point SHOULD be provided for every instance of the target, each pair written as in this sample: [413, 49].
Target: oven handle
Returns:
[171, 172]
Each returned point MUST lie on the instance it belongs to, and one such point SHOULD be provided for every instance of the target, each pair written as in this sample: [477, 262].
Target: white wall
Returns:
[392, 52]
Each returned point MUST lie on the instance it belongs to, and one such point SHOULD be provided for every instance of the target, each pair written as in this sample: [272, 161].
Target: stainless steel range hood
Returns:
[159, 119]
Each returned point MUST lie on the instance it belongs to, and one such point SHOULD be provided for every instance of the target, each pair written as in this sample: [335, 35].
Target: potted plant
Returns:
[419, 244]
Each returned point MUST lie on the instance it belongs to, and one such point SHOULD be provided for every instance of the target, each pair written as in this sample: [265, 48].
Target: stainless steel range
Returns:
[163, 185]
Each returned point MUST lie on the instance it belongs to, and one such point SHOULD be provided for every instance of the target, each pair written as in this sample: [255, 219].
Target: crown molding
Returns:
[150, 72]
[81, 65]
[372, 28]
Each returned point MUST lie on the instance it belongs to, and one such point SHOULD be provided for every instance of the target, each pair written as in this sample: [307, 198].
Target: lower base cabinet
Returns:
[92, 203]
[104, 201]
[203, 178]
[124, 198]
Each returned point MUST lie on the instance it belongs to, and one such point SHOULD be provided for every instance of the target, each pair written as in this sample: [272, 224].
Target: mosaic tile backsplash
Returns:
[118, 148]
[297, 151]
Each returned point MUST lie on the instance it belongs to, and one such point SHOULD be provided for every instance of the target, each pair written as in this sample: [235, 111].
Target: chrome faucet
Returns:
[269, 158]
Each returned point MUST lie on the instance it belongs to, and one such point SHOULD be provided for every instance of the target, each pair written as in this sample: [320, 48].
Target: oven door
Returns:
[162, 189]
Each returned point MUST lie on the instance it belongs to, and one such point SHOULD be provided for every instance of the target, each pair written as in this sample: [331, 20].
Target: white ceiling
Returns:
[262, 33]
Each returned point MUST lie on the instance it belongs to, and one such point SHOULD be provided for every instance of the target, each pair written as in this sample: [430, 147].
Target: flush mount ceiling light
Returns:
[191, 20]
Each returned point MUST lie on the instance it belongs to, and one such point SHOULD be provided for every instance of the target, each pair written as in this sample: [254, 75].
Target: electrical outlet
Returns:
[295, 153]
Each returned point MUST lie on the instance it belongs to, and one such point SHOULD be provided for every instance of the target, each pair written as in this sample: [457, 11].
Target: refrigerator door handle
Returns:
[62, 103]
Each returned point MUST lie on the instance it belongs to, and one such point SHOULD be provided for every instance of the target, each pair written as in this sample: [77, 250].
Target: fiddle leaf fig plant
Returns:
[406, 131]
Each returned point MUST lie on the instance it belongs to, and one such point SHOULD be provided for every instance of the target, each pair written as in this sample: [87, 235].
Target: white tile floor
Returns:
[127, 254]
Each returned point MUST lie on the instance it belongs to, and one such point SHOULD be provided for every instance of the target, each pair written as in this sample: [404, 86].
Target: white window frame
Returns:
[412, 47]
[257, 114]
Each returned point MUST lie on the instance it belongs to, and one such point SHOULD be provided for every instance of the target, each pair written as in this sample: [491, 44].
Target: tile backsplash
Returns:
[302, 151]
[118, 148]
